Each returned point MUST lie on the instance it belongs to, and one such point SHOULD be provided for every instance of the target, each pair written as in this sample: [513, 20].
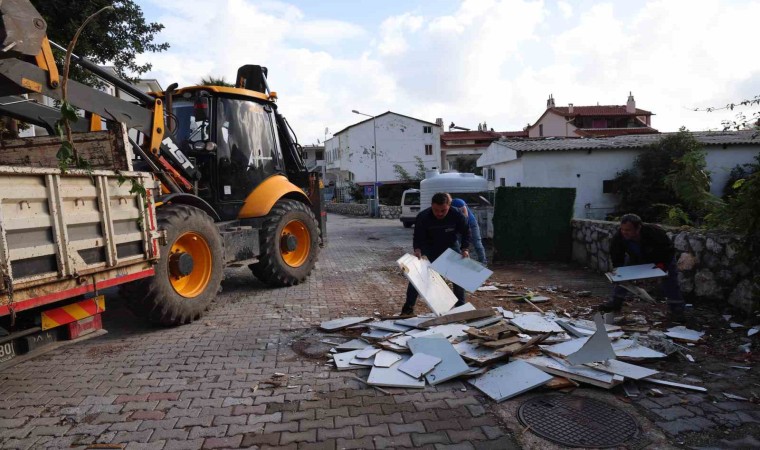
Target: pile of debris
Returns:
[503, 353]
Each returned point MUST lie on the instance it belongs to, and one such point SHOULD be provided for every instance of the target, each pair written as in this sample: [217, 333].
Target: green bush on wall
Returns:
[533, 223]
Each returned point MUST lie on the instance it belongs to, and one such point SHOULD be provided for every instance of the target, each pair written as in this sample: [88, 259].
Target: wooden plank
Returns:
[102, 149]
[501, 342]
[492, 332]
[458, 317]
[535, 340]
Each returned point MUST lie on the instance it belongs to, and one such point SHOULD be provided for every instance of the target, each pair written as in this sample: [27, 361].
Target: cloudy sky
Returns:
[469, 61]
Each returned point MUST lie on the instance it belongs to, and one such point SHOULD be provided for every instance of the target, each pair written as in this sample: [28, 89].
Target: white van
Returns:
[410, 207]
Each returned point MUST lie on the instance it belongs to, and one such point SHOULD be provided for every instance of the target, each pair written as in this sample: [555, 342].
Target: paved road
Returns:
[215, 383]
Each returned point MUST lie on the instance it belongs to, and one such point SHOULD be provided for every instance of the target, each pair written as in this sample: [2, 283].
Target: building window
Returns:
[609, 187]
[320, 155]
[427, 129]
[428, 149]
[541, 130]
[502, 181]
[490, 174]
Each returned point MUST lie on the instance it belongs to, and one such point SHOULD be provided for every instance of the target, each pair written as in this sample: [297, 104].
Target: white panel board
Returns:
[597, 348]
[343, 360]
[465, 272]
[623, 369]
[510, 380]
[535, 323]
[452, 365]
[386, 359]
[639, 272]
[392, 377]
[338, 324]
[431, 287]
[419, 365]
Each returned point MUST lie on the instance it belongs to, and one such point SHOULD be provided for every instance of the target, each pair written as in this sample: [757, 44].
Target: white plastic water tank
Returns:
[452, 183]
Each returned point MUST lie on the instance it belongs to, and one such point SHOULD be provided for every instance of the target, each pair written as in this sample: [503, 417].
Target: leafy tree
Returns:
[404, 175]
[740, 171]
[211, 81]
[115, 37]
[643, 188]
[691, 184]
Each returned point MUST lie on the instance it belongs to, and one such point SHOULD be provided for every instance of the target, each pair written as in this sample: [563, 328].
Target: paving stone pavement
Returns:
[251, 373]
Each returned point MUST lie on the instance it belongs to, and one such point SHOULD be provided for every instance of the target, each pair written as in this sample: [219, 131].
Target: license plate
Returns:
[7, 352]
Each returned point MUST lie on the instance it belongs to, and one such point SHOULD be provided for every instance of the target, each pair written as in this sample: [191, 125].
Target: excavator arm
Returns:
[27, 66]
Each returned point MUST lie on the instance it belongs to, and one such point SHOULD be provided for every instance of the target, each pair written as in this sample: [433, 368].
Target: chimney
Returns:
[570, 108]
[550, 102]
[630, 107]
[439, 122]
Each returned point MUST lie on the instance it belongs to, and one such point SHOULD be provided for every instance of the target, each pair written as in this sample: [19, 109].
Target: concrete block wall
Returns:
[707, 263]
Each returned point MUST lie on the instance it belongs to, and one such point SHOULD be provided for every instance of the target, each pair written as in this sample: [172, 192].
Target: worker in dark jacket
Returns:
[640, 243]
[435, 230]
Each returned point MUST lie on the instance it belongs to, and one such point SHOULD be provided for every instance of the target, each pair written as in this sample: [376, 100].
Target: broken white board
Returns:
[565, 348]
[419, 364]
[535, 323]
[510, 380]
[392, 377]
[339, 324]
[367, 362]
[451, 366]
[575, 332]
[389, 325]
[488, 288]
[463, 308]
[481, 355]
[638, 292]
[367, 352]
[464, 272]
[386, 359]
[507, 314]
[623, 369]
[682, 333]
[596, 348]
[588, 326]
[354, 344]
[485, 322]
[638, 272]
[453, 331]
[343, 360]
[577, 373]
[676, 385]
[412, 322]
[429, 284]
[378, 334]
[631, 350]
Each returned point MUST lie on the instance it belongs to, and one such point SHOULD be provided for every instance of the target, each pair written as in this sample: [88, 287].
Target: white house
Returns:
[314, 158]
[590, 164]
[350, 153]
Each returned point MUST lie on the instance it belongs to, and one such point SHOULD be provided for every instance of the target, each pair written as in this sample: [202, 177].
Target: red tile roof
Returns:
[607, 110]
[609, 132]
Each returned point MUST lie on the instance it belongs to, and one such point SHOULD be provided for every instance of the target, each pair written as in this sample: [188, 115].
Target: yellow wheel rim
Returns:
[295, 257]
[194, 283]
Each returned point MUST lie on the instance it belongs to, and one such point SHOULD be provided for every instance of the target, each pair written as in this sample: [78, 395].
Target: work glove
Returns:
[661, 266]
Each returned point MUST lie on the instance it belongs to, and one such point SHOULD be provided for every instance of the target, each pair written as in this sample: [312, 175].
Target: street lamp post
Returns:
[376, 206]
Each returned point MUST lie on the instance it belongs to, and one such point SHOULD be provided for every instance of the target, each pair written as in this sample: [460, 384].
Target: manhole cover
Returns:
[577, 421]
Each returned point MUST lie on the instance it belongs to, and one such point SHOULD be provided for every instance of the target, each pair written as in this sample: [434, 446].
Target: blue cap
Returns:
[458, 203]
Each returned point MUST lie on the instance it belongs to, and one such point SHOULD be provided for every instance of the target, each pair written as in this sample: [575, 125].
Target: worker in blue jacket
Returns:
[435, 230]
[472, 222]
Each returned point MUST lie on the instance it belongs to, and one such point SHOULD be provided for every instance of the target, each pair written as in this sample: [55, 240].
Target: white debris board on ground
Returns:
[623, 369]
[632, 350]
[596, 348]
[684, 334]
[389, 325]
[419, 365]
[464, 308]
[535, 323]
[386, 359]
[510, 380]
[638, 272]
[339, 324]
[392, 377]
[431, 287]
[354, 344]
[481, 355]
[343, 360]
[451, 366]
[465, 272]
[577, 373]
[367, 352]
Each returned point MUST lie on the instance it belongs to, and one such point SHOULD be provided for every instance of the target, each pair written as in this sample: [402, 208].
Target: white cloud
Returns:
[487, 60]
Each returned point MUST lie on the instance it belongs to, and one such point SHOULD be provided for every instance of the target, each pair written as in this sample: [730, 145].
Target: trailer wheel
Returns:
[189, 272]
[289, 241]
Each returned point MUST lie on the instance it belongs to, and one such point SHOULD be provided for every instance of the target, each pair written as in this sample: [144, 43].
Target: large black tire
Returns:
[156, 298]
[273, 268]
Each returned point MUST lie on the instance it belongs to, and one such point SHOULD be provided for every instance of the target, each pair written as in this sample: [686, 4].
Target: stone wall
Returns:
[348, 209]
[708, 269]
[390, 212]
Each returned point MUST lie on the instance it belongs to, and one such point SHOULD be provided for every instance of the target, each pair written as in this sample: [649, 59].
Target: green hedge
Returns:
[533, 223]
